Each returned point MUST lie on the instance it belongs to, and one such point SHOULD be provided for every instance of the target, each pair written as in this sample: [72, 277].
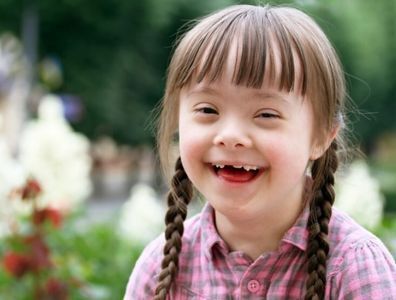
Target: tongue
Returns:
[235, 175]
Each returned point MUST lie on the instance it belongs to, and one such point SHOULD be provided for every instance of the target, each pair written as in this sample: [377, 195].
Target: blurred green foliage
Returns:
[386, 232]
[94, 260]
[98, 257]
[364, 33]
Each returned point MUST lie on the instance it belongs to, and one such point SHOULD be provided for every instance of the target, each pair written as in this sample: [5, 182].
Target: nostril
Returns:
[232, 141]
[232, 144]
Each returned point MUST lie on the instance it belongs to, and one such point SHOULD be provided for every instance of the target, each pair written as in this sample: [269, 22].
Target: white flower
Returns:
[57, 157]
[12, 176]
[358, 194]
[142, 215]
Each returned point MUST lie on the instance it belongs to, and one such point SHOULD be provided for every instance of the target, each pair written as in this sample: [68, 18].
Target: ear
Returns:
[318, 149]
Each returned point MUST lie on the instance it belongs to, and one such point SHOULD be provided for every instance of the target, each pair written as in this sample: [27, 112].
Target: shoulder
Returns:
[359, 264]
[346, 232]
[144, 277]
[347, 239]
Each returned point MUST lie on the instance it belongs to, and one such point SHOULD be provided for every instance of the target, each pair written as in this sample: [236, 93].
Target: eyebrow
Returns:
[256, 95]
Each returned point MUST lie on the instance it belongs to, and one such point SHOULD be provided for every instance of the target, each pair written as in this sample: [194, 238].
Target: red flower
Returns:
[30, 190]
[39, 253]
[55, 289]
[53, 215]
[16, 264]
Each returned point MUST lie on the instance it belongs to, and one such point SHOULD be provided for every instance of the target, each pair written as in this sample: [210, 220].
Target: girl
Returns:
[256, 95]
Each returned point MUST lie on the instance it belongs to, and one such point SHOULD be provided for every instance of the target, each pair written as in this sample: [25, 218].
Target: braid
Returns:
[178, 198]
[323, 170]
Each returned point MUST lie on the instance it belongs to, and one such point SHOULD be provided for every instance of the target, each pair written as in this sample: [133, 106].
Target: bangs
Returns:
[267, 53]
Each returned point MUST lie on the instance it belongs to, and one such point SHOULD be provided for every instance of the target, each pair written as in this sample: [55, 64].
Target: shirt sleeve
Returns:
[367, 271]
[143, 280]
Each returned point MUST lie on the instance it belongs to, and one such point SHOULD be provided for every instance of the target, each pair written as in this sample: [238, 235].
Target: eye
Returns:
[206, 110]
[268, 115]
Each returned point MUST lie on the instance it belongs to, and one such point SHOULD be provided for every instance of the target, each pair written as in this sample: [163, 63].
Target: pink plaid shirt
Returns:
[359, 265]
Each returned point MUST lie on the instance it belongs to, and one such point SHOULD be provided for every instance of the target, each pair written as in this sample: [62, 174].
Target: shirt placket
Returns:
[255, 280]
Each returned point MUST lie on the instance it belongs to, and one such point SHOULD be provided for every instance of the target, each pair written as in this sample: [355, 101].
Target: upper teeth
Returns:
[247, 167]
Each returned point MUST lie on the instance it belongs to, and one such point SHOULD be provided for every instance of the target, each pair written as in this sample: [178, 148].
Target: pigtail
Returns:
[323, 170]
[178, 198]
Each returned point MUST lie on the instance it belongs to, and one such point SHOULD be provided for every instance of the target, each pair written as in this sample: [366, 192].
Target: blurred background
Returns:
[81, 192]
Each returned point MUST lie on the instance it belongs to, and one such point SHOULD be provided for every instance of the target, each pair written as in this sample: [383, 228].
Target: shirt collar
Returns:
[209, 234]
[297, 235]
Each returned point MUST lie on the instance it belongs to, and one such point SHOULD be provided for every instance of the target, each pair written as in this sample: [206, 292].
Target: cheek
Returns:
[186, 148]
[193, 139]
[191, 154]
[185, 141]
[190, 147]
[287, 156]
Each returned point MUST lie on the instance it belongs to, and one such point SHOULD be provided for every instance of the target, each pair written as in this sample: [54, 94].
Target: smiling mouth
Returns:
[236, 174]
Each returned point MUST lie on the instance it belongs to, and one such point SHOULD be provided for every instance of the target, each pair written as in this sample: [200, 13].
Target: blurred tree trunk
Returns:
[16, 110]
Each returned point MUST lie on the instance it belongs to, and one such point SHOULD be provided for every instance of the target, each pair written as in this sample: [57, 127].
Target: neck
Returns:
[255, 237]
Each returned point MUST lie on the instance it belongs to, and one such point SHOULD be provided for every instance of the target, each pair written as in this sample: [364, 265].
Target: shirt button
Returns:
[253, 286]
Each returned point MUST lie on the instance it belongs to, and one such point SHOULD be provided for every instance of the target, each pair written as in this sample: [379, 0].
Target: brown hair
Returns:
[261, 32]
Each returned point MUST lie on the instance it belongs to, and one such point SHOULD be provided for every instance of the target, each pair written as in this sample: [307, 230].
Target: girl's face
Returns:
[246, 150]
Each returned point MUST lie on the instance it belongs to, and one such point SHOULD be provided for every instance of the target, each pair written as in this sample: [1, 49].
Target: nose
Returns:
[232, 135]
